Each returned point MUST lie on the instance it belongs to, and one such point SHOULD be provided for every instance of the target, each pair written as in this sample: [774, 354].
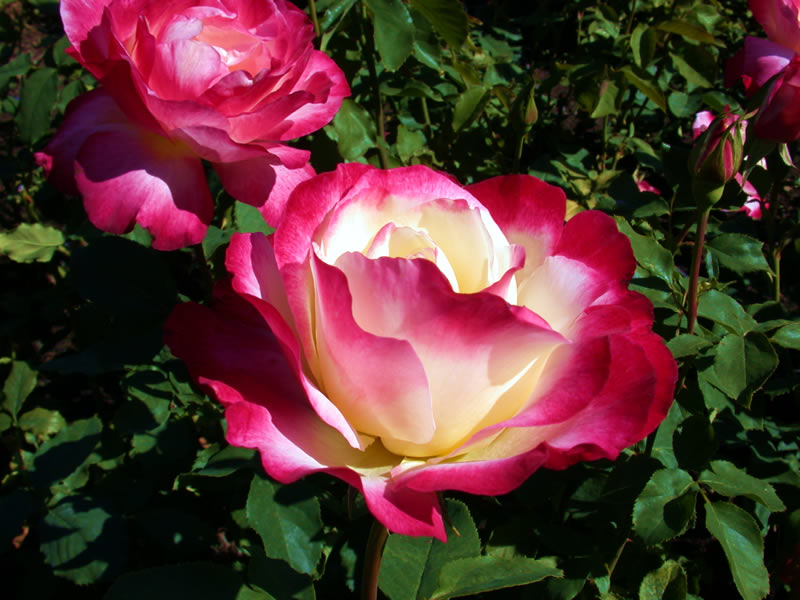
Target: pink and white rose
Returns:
[409, 335]
[226, 81]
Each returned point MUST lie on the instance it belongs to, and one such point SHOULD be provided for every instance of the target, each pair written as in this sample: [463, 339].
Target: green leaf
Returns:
[394, 31]
[474, 575]
[447, 17]
[82, 541]
[68, 93]
[724, 310]
[228, 460]
[687, 344]
[695, 443]
[20, 65]
[411, 566]
[215, 237]
[690, 32]
[665, 507]
[20, 382]
[683, 105]
[743, 545]
[277, 578]
[409, 143]
[689, 72]
[42, 422]
[28, 243]
[353, 130]
[729, 480]
[649, 253]
[644, 83]
[788, 336]
[39, 94]
[60, 57]
[67, 452]
[287, 519]
[643, 44]
[199, 580]
[662, 445]
[740, 253]
[668, 582]
[469, 107]
[249, 219]
[743, 364]
[608, 100]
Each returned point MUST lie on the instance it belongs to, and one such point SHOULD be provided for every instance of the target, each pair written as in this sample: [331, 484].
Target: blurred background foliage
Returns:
[116, 479]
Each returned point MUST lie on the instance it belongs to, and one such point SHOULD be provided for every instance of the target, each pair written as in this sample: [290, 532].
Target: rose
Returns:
[702, 121]
[774, 64]
[221, 80]
[409, 335]
[716, 156]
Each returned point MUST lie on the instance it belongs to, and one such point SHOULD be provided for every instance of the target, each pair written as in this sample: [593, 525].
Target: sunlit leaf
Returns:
[288, 522]
[743, 545]
[31, 242]
[665, 506]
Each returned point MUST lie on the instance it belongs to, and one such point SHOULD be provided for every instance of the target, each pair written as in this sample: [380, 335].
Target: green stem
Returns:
[313, 8]
[776, 267]
[376, 541]
[630, 19]
[518, 152]
[376, 90]
[697, 258]
[426, 115]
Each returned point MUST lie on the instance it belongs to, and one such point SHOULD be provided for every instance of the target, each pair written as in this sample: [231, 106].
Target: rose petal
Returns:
[481, 361]
[377, 382]
[266, 182]
[529, 211]
[128, 175]
[780, 19]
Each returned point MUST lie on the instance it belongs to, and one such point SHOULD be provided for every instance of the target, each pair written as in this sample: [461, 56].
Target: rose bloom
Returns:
[410, 335]
[774, 63]
[752, 207]
[221, 80]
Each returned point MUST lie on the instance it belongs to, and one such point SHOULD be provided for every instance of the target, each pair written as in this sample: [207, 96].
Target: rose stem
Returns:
[697, 258]
[313, 8]
[372, 560]
[376, 89]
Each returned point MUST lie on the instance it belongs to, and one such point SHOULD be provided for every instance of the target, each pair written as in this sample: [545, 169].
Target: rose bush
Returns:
[774, 63]
[226, 81]
[410, 335]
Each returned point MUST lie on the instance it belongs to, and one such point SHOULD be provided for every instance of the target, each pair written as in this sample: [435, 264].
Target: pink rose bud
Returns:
[717, 153]
[411, 335]
[226, 81]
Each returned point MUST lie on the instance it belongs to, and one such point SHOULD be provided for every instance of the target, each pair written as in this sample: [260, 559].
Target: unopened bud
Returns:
[716, 156]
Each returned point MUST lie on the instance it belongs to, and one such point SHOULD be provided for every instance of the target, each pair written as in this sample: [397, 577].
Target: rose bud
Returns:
[716, 156]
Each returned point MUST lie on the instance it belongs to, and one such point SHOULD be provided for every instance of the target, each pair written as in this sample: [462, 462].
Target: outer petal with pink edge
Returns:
[232, 352]
[529, 211]
[130, 175]
[89, 113]
[266, 181]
